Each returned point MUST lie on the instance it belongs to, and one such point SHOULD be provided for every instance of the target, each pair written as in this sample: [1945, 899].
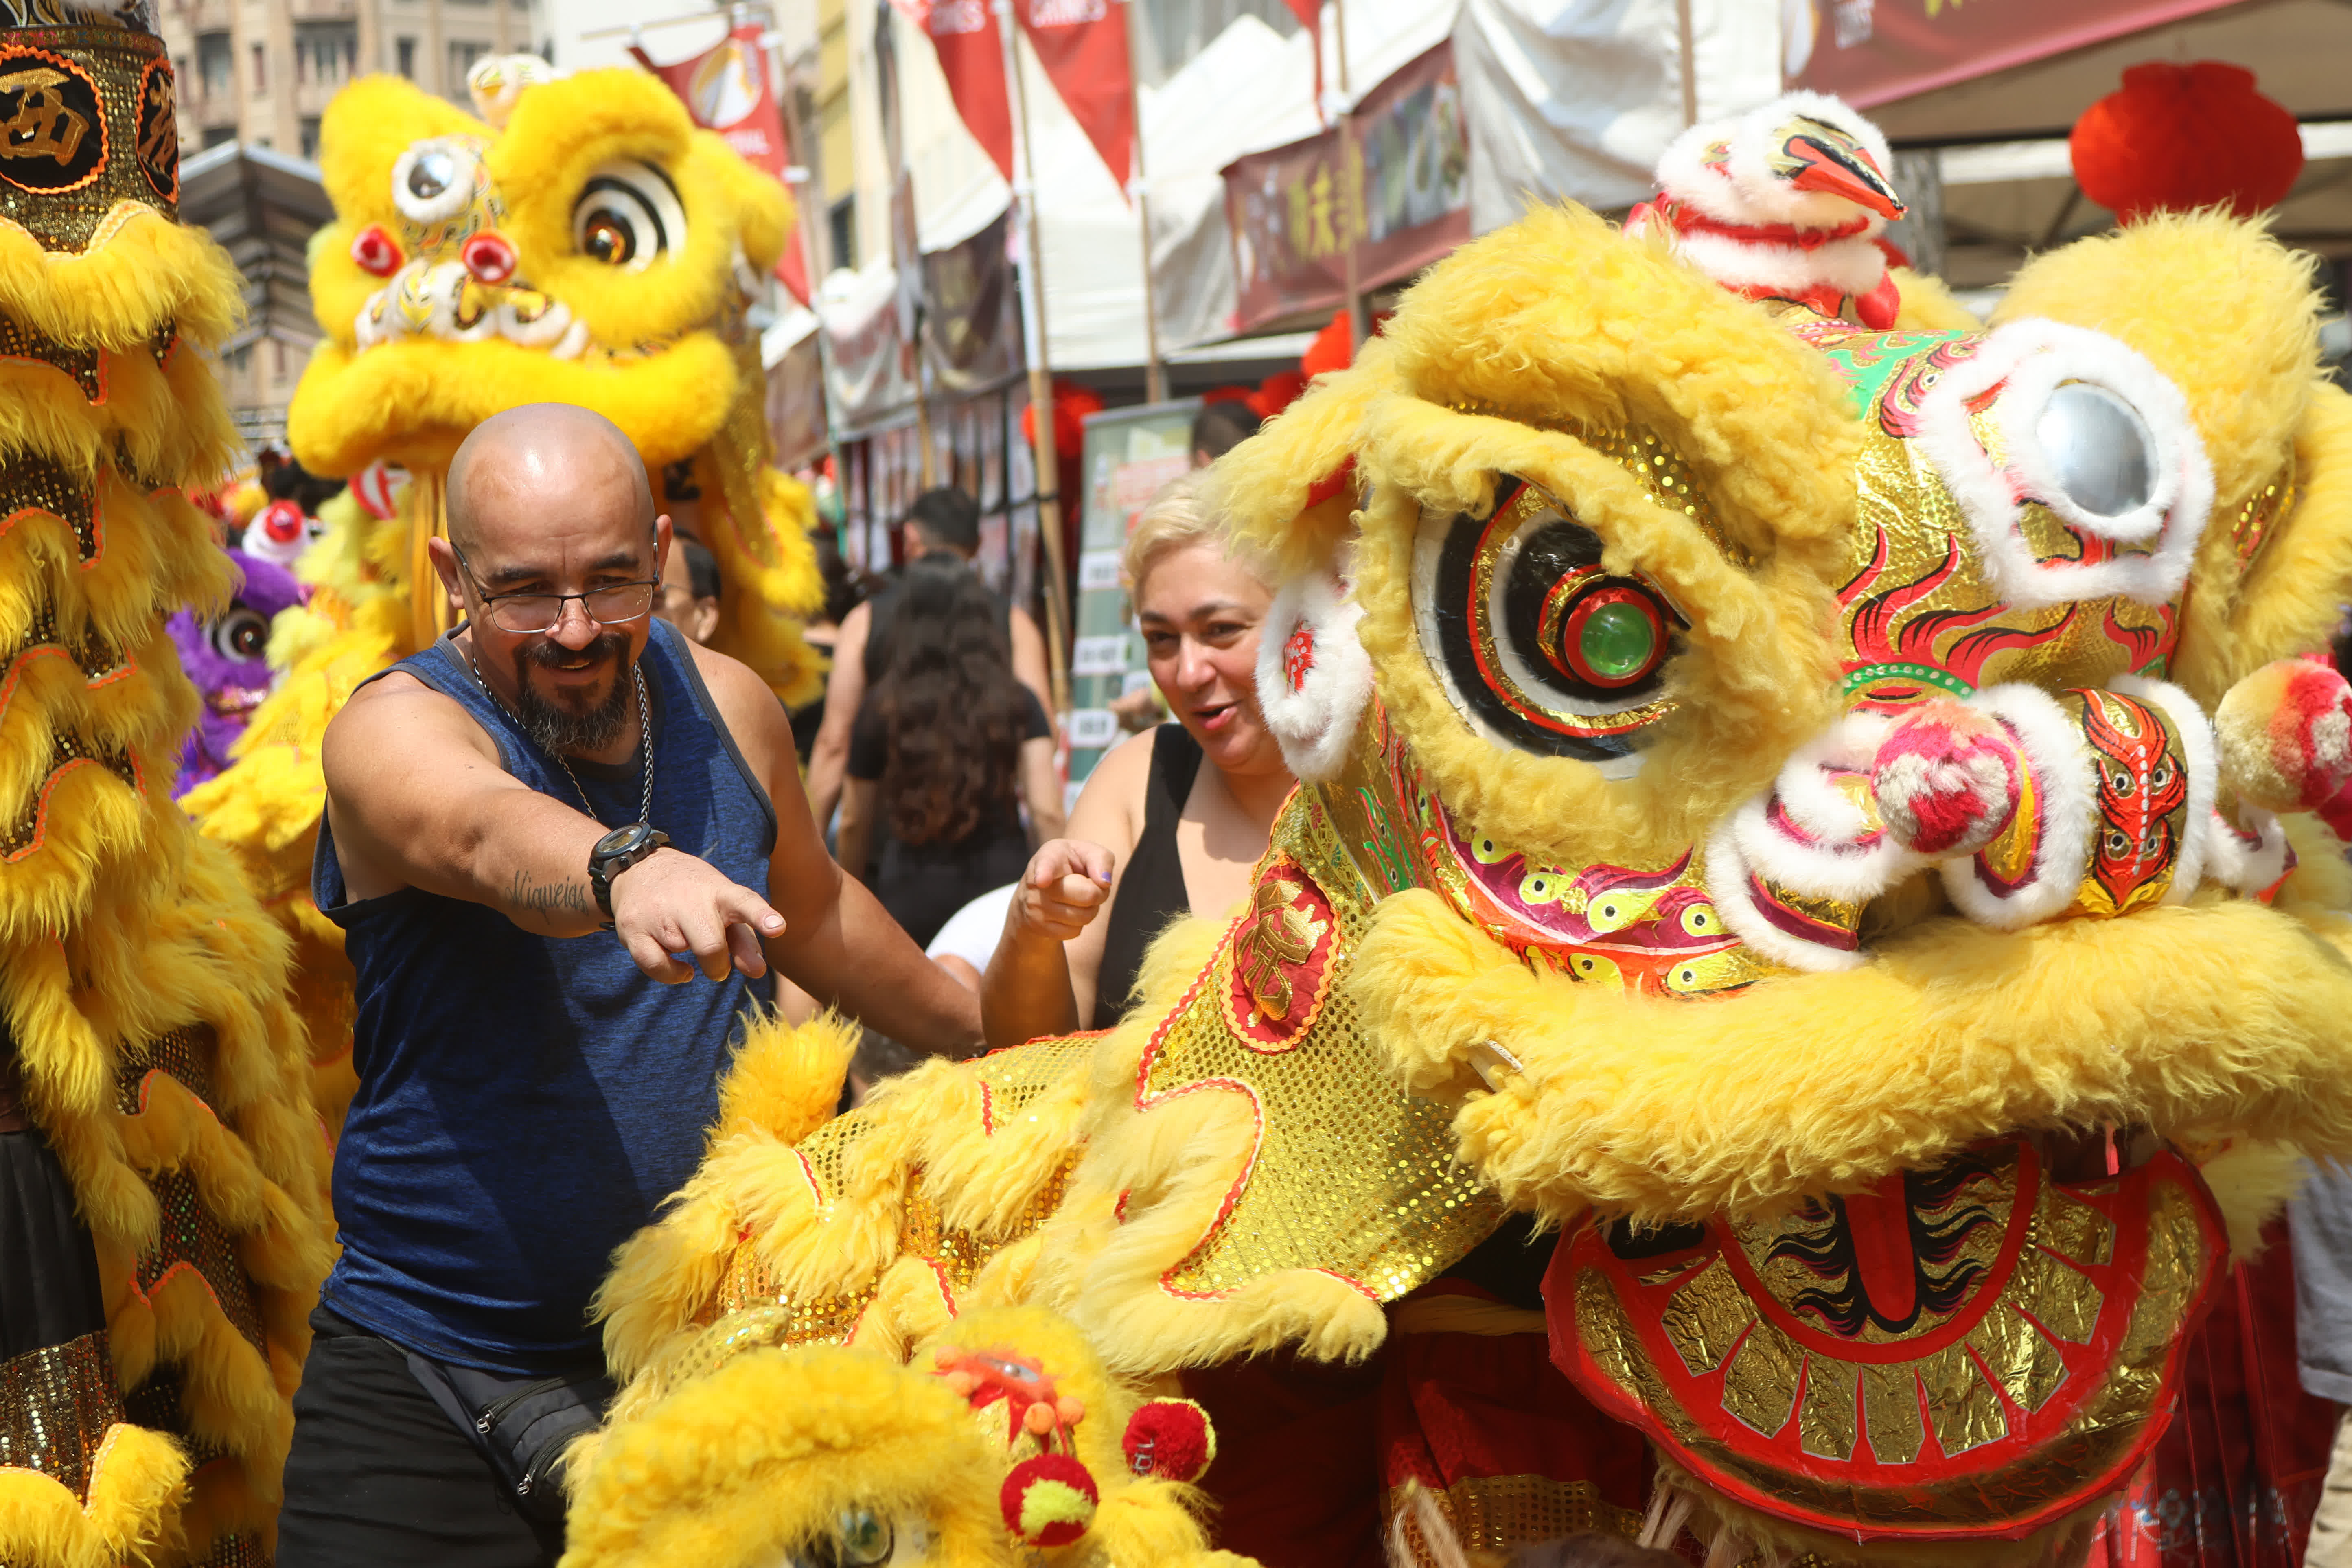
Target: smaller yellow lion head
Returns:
[597, 249]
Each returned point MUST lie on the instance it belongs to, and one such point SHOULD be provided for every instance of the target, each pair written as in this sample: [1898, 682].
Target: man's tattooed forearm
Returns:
[546, 897]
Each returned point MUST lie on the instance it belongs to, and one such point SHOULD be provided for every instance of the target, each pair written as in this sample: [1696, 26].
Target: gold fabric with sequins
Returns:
[56, 1404]
[1352, 1175]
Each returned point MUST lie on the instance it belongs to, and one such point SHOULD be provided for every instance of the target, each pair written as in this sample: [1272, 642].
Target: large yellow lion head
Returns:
[1794, 761]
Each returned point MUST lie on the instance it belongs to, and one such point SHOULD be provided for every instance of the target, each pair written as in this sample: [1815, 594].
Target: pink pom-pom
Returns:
[1947, 780]
[2285, 734]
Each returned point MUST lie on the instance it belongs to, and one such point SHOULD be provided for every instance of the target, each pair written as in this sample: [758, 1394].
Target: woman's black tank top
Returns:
[1151, 891]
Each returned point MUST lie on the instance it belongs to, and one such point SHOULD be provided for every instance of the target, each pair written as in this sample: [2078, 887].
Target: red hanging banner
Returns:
[971, 57]
[1081, 44]
[1871, 52]
[726, 88]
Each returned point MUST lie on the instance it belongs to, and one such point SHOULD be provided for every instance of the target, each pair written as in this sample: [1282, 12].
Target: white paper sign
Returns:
[1097, 569]
[1092, 727]
[1098, 656]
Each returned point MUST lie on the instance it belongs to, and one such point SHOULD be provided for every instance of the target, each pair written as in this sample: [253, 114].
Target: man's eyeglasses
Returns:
[525, 613]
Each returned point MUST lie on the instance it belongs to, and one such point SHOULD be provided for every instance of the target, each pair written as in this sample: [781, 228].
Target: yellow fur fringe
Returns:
[1625, 1104]
[120, 927]
[130, 1515]
[763, 1458]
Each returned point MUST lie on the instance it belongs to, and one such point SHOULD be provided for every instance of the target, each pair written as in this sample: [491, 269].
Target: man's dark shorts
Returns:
[379, 1477]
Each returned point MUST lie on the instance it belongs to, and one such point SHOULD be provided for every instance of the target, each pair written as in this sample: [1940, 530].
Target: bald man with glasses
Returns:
[567, 848]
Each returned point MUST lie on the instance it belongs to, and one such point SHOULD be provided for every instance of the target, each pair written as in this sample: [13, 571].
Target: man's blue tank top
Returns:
[526, 1102]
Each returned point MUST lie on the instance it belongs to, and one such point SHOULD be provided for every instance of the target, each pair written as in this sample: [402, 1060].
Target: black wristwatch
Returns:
[615, 853]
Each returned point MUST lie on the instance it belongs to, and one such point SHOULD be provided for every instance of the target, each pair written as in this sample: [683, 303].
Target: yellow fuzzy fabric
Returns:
[761, 1457]
[2216, 1023]
[1259, 489]
[784, 1081]
[1630, 1104]
[914, 1137]
[130, 1516]
[142, 985]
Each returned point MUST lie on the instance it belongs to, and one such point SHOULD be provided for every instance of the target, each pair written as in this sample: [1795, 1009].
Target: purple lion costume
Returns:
[224, 658]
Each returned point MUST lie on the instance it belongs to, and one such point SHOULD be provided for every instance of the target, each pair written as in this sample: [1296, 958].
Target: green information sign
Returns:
[1129, 454]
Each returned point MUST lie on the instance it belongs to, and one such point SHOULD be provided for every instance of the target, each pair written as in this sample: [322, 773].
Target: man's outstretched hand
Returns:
[671, 902]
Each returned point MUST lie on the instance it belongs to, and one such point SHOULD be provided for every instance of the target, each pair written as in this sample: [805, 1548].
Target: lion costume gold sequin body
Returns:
[145, 1032]
[1760, 817]
[586, 245]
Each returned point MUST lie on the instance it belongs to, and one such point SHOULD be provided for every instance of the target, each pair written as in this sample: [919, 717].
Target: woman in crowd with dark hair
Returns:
[947, 748]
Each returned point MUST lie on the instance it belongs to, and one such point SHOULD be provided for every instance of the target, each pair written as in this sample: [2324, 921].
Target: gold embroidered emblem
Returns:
[1277, 938]
[43, 125]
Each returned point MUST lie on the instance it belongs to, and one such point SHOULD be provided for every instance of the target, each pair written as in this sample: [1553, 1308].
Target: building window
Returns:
[463, 53]
[311, 138]
[843, 221]
[216, 134]
[277, 360]
[325, 52]
[405, 50]
[216, 65]
[260, 68]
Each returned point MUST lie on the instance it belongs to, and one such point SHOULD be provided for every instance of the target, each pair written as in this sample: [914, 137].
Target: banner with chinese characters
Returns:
[727, 88]
[1874, 51]
[1398, 189]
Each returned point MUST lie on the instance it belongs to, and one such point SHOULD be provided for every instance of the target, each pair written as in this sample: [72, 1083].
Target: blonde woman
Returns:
[1171, 822]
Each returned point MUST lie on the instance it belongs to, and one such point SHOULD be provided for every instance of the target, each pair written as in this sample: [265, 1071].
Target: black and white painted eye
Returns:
[432, 181]
[627, 215]
[1537, 645]
[2075, 462]
[241, 634]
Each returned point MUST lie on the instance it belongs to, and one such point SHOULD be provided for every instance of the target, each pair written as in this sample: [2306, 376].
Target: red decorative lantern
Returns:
[1072, 404]
[1334, 348]
[2178, 137]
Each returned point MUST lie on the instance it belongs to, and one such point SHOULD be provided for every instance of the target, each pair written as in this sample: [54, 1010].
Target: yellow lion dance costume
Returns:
[172, 1155]
[582, 243]
[1798, 954]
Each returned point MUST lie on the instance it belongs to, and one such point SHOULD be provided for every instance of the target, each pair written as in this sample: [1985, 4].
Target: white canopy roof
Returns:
[1567, 98]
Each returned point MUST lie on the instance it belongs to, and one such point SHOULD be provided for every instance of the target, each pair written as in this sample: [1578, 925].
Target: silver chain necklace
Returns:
[644, 734]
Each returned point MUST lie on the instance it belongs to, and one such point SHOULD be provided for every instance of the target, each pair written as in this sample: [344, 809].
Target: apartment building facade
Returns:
[261, 71]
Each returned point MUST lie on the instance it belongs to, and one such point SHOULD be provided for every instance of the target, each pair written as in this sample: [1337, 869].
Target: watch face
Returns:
[619, 841]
